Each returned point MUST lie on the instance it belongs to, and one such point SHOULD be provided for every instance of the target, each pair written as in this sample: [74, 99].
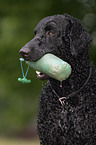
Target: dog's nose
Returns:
[24, 53]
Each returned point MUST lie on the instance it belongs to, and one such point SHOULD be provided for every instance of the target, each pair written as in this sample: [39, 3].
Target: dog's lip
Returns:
[39, 73]
[41, 76]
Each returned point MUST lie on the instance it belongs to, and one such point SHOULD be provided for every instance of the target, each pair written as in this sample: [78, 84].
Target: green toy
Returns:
[52, 66]
[24, 80]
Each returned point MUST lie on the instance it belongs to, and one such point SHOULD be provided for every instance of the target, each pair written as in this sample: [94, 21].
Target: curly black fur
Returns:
[75, 122]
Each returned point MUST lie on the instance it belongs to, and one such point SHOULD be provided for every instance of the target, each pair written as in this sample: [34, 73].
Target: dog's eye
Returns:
[49, 33]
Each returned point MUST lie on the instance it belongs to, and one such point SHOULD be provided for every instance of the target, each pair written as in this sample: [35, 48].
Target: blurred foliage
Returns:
[18, 18]
[5, 141]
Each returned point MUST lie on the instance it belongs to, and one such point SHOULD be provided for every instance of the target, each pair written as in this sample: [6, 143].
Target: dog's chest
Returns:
[67, 121]
[75, 122]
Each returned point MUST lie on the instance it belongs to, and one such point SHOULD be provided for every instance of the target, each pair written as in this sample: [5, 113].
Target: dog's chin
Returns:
[42, 76]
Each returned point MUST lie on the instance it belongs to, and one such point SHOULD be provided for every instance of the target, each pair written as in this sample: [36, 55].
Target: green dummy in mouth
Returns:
[52, 66]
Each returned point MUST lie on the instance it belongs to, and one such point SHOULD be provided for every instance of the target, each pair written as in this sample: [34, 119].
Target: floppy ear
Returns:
[79, 38]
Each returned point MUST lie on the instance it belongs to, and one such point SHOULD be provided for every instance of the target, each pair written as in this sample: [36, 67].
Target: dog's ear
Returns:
[79, 38]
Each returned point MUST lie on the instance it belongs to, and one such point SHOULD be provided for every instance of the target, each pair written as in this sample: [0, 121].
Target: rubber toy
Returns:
[24, 80]
[52, 66]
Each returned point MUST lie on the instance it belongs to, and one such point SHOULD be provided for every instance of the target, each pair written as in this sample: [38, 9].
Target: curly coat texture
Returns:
[74, 123]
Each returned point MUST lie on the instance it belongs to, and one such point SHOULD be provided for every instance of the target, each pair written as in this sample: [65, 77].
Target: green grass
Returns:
[4, 141]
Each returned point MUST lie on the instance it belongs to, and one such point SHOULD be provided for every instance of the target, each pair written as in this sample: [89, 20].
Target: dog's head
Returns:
[61, 35]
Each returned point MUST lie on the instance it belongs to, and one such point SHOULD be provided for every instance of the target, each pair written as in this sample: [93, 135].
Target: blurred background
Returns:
[18, 102]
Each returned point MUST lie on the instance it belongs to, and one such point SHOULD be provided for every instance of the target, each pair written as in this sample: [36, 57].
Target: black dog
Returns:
[67, 111]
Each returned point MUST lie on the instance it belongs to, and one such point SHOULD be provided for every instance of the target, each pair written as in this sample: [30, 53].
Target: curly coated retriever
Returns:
[67, 110]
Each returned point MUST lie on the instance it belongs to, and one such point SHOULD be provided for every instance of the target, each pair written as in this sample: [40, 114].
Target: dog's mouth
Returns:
[42, 76]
